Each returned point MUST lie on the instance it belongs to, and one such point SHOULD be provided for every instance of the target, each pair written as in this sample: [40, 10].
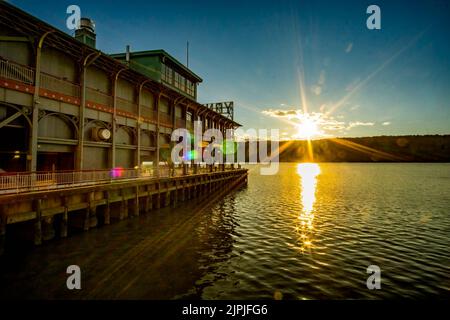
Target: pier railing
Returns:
[21, 182]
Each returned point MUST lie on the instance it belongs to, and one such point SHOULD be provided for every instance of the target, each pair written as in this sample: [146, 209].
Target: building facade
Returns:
[65, 105]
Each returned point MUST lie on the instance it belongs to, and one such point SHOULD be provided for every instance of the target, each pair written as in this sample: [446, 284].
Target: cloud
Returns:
[321, 81]
[324, 121]
[317, 90]
[349, 47]
[327, 124]
[386, 123]
[359, 124]
[280, 113]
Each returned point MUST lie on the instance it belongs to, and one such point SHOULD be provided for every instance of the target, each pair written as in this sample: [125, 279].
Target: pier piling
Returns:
[107, 212]
[37, 222]
[3, 223]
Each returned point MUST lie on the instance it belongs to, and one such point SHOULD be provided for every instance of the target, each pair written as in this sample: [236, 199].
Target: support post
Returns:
[167, 199]
[37, 222]
[3, 223]
[136, 203]
[48, 228]
[158, 196]
[80, 151]
[157, 100]
[107, 214]
[123, 208]
[148, 201]
[35, 116]
[138, 123]
[64, 219]
[93, 221]
[175, 196]
[183, 191]
[114, 120]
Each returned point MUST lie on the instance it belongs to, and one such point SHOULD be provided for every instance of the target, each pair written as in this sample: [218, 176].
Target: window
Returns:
[167, 74]
[163, 72]
[179, 81]
[190, 88]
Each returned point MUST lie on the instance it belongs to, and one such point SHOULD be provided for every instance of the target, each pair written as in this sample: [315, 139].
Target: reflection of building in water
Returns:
[308, 173]
[216, 242]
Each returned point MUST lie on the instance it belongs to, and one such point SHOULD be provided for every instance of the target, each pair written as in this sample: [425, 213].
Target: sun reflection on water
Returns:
[308, 173]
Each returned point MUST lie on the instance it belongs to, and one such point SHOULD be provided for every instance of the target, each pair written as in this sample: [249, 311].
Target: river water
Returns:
[309, 232]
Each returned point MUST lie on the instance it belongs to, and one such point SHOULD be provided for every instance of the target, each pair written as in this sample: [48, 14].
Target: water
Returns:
[309, 232]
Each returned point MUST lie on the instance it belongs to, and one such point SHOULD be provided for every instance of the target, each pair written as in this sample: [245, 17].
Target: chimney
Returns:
[127, 55]
[86, 32]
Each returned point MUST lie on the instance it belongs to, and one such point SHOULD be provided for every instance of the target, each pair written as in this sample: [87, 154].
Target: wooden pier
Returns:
[50, 213]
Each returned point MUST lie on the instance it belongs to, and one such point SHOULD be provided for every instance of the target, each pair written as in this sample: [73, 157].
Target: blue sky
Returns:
[276, 58]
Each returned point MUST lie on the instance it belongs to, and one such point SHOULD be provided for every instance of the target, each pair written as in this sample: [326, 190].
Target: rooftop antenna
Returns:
[187, 54]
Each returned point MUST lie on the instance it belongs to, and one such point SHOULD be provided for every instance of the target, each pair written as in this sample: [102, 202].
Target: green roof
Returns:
[160, 53]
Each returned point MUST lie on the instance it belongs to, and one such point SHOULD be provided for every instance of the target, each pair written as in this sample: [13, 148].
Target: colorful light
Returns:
[117, 172]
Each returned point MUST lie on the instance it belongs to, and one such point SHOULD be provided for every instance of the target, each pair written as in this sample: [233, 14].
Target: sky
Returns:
[291, 65]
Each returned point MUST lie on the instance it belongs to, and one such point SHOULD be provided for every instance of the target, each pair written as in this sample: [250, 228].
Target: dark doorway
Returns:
[55, 161]
[13, 147]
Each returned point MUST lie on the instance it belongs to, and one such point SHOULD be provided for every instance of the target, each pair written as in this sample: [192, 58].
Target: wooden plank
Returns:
[21, 217]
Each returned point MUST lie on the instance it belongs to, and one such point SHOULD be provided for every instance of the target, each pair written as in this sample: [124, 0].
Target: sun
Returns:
[307, 129]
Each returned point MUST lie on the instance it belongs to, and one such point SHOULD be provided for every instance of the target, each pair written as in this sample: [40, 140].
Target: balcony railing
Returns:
[149, 113]
[165, 118]
[180, 123]
[21, 182]
[99, 97]
[56, 84]
[25, 74]
[126, 105]
[14, 71]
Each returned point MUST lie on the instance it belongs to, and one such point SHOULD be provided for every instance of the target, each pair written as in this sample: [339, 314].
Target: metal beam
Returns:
[86, 63]
[10, 119]
[35, 116]
[158, 97]
[138, 123]
[14, 39]
[114, 120]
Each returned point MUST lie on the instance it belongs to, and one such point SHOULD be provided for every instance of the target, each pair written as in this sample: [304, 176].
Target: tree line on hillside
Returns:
[428, 148]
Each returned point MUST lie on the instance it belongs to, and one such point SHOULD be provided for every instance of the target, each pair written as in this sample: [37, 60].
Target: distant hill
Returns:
[428, 148]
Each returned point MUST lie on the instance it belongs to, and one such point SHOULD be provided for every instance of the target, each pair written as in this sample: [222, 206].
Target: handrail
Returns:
[14, 71]
[126, 105]
[59, 85]
[20, 182]
[149, 112]
[99, 97]
[180, 123]
[165, 118]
